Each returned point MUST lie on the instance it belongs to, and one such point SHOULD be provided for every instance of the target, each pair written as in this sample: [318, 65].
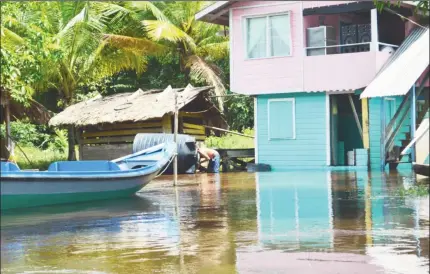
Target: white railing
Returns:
[339, 47]
[388, 45]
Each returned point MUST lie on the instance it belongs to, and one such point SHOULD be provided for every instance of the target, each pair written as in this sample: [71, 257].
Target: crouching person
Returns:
[213, 158]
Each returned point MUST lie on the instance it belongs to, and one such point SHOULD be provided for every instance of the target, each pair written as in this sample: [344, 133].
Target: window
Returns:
[281, 114]
[268, 36]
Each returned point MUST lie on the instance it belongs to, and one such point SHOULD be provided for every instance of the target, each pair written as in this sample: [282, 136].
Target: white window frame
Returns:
[293, 101]
[269, 40]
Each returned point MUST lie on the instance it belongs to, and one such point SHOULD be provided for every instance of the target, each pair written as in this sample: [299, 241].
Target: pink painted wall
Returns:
[276, 74]
[298, 72]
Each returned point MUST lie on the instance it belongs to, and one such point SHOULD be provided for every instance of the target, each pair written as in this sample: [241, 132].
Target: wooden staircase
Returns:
[400, 126]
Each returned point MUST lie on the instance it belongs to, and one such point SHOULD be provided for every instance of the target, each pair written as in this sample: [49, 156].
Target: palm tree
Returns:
[197, 44]
[75, 47]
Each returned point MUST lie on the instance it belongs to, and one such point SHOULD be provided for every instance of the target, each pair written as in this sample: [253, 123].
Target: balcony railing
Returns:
[345, 48]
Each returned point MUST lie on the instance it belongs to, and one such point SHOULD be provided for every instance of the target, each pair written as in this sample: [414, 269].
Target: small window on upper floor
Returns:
[268, 36]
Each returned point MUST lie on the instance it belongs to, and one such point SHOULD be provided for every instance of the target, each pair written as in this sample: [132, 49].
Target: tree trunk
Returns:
[71, 141]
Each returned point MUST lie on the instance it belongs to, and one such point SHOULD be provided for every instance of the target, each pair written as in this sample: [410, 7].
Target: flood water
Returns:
[297, 222]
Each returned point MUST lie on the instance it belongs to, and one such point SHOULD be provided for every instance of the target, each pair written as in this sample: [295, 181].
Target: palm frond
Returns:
[201, 70]
[160, 30]
[147, 6]
[215, 51]
[79, 18]
[10, 38]
[138, 44]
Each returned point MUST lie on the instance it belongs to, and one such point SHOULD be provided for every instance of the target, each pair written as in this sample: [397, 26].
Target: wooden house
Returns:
[308, 65]
[106, 126]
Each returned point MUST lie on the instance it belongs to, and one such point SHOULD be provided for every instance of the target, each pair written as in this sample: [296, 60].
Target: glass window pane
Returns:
[280, 35]
[256, 37]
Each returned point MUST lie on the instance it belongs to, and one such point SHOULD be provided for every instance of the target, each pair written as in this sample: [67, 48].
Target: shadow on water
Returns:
[295, 222]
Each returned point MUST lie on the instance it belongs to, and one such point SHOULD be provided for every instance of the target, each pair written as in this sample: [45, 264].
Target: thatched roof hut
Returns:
[138, 106]
[105, 124]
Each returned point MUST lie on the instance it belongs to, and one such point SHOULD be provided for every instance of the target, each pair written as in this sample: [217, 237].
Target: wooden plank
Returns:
[107, 140]
[120, 126]
[192, 115]
[199, 137]
[365, 118]
[122, 132]
[167, 124]
[194, 126]
[106, 152]
[194, 131]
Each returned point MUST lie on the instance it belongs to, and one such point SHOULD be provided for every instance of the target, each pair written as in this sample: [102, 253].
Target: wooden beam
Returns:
[357, 120]
[120, 126]
[193, 126]
[228, 131]
[194, 131]
[108, 140]
[122, 132]
[365, 119]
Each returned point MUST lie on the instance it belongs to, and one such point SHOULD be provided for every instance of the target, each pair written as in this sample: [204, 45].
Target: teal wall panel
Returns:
[284, 109]
[308, 149]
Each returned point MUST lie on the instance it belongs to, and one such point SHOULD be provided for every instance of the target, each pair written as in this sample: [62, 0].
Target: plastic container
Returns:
[187, 152]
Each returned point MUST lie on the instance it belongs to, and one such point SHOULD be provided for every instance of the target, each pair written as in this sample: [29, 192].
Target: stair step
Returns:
[406, 142]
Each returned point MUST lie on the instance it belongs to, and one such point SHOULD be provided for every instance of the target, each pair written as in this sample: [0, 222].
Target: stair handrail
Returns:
[389, 133]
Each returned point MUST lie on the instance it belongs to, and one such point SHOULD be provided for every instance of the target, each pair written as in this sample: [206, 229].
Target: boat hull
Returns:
[22, 194]
[80, 181]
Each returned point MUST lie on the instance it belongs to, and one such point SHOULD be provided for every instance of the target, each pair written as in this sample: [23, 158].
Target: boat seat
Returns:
[83, 166]
[8, 166]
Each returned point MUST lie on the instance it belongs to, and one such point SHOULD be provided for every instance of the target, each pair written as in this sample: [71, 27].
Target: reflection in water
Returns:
[293, 222]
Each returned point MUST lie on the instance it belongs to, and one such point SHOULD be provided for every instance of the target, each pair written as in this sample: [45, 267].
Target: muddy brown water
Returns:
[294, 222]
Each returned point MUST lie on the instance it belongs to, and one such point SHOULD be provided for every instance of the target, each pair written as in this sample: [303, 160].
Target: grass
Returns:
[231, 141]
[420, 190]
[39, 159]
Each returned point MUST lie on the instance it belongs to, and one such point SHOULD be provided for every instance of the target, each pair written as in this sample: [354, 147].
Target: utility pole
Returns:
[175, 139]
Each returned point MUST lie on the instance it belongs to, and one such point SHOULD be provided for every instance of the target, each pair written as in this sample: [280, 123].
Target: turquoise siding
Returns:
[375, 128]
[283, 109]
[308, 149]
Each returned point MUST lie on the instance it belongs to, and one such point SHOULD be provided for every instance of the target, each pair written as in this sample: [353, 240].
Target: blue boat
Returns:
[79, 181]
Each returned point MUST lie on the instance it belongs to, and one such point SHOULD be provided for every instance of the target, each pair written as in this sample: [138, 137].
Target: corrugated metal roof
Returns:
[403, 68]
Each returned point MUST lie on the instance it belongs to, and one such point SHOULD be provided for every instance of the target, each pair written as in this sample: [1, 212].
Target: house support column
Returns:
[413, 120]
[374, 30]
[365, 120]
[382, 149]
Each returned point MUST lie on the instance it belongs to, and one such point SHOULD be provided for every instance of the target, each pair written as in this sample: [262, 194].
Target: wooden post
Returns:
[8, 131]
[80, 143]
[413, 120]
[354, 111]
[365, 118]
[175, 139]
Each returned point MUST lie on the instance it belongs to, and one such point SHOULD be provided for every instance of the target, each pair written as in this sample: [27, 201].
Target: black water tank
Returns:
[187, 153]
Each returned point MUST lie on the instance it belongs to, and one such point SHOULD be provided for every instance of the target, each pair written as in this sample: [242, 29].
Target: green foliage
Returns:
[230, 141]
[421, 6]
[37, 136]
[40, 159]
[419, 190]
[240, 112]
[59, 141]
[27, 134]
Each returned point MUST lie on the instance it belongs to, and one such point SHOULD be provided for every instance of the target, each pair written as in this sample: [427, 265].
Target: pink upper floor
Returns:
[297, 72]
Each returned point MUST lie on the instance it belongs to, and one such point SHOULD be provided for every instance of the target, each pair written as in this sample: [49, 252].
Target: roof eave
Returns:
[216, 13]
